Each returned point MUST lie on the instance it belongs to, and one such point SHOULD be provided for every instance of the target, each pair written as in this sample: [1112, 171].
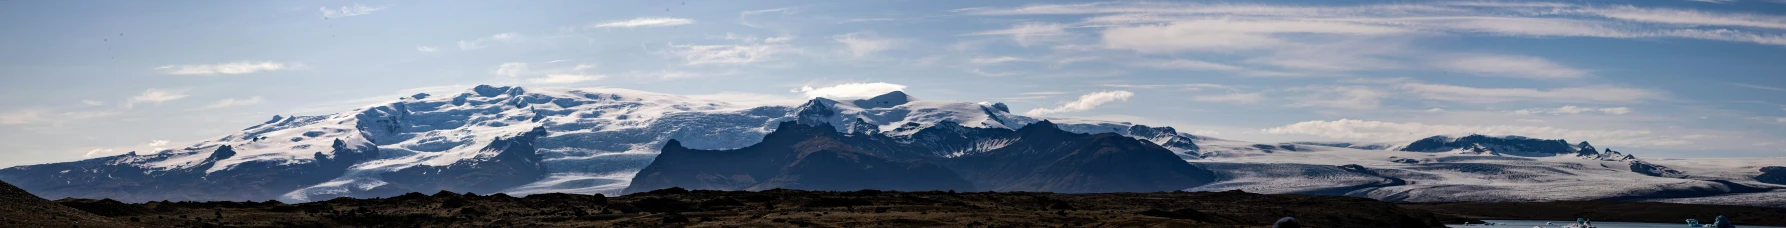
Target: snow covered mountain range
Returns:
[524, 141]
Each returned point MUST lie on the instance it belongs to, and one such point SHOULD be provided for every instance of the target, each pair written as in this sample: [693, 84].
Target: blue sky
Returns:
[1654, 78]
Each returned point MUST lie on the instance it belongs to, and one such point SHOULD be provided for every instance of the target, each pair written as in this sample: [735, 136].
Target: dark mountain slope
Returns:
[795, 156]
[1038, 157]
[1045, 158]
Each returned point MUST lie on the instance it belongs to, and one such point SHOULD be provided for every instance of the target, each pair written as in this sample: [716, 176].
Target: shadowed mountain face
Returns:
[1772, 175]
[794, 157]
[1038, 157]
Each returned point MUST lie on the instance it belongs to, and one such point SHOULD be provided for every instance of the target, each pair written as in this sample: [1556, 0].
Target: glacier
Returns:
[592, 140]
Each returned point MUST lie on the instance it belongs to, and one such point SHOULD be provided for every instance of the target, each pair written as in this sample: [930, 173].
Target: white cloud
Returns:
[1026, 34]
[348, 11]
[511, 69]
[1571, 109]
[993, 60]
[232, 102]
[1187, 64]
[1509, 66]
[90, 153]
[1394, 131]
[850, 90]
[1085, 102]
[154, 143]
[1781, 119]
[726, 54]
[156, 96]
[567, 78]
[1607, 94]
[860, 44]
[479, 42]
[1435, 110]
[645, 22]
[421, 48]
[242, 67]
[92, 102]
[1232, 98]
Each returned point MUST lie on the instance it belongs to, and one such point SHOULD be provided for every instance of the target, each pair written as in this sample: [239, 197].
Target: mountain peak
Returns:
[890, 99]
[1043, 125]
[492, 91]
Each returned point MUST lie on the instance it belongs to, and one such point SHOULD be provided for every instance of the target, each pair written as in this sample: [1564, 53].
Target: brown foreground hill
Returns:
[782, 208]
[22, 209]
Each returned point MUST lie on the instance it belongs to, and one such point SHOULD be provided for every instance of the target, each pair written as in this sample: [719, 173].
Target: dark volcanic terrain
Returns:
[676, 207]
[1608, 211]
[781, 208]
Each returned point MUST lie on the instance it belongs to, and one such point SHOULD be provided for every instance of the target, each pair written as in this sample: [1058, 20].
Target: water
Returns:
[1540, 223]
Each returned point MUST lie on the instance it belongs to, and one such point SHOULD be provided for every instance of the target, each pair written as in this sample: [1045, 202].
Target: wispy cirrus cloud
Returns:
[156, 96]
[242, 67]
[1188, 64]
[478, 43]
[233, 102]
[993, 60]
[348, 11]
[860, 44]
[1466, 94]
[645, 22]
[1084, 103]
[1184, 87]
[1232, 98]
[727, 54]
[1571, 109]
[1026, 34]
[1339, 97]
[1218, 26]
[1509, 66]
[1760, 87]
[23, 117]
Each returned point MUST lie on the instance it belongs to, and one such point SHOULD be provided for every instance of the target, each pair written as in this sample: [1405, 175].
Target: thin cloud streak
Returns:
[243, 67]
[348, 11]
[645, 22]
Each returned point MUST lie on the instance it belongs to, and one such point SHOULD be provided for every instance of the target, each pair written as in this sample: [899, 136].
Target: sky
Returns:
[1656, 78]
